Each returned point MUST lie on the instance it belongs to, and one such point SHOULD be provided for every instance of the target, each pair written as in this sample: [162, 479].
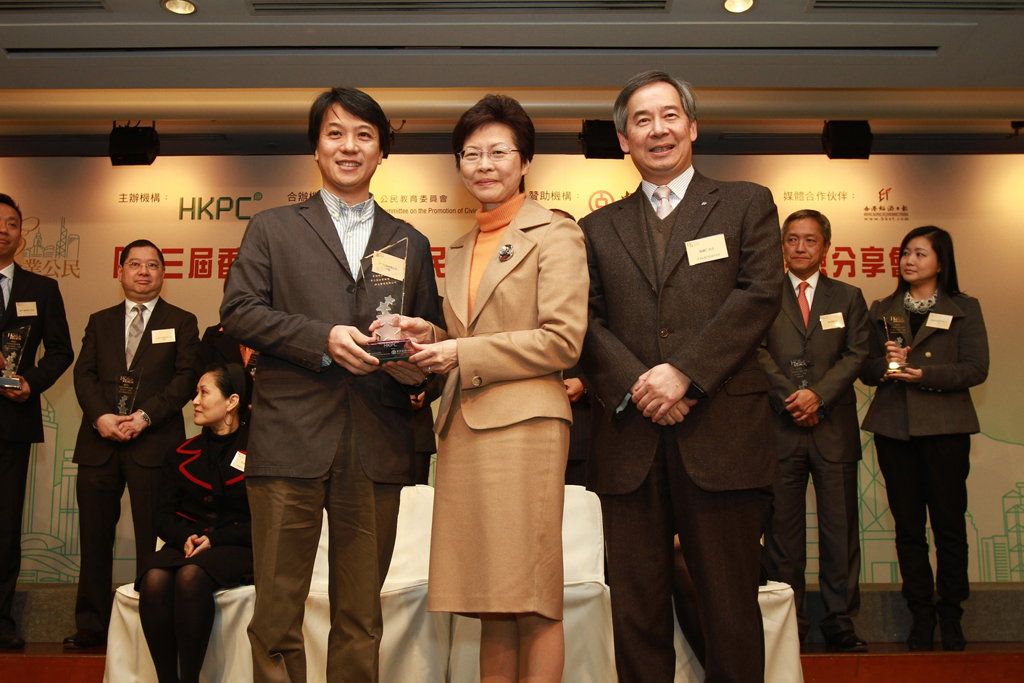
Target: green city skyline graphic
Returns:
[50, 534]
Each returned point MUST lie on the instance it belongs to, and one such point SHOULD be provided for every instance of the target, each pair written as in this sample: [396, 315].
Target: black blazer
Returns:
[836, 356]
[23, 422]
[952, 361]
[168, 381]
[201, 493]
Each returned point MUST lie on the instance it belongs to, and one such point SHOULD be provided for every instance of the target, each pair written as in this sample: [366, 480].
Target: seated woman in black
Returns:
[203, 517]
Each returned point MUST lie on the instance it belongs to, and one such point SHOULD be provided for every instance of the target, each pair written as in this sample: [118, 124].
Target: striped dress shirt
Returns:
[354, 224]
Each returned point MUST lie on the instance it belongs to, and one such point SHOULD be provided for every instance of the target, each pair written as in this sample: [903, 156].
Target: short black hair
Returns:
[816, 216]
[231, 379]
[942, 243]
[138, 244]
[358, 104]
[497, 109]
[9, 201]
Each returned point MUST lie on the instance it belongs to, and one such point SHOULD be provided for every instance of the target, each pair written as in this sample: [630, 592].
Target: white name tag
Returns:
[706, 249]
[832, 321]
[238, 462]
[25, 309]
[939, 321]
[388, 265]
[163, 336]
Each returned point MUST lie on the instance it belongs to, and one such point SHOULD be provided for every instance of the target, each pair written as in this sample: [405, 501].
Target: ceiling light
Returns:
[179, 6]
[737, 6]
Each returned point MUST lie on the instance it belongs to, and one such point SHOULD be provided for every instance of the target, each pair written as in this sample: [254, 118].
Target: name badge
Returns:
[238, 462]
[832, 321]
[163, 336]
[388, 265]
[706, 249]
[25, 309]
[939, 321]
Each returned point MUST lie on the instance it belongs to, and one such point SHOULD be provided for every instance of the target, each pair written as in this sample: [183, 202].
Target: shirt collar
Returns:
[677, 185]
[8, 272]
[148, 305]
[337, 208]
[812, 281]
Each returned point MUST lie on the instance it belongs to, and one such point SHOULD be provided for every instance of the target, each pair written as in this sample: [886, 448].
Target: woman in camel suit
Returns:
[516, 313]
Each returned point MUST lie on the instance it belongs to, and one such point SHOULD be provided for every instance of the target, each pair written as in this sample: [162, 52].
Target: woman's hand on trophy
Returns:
[439, 358]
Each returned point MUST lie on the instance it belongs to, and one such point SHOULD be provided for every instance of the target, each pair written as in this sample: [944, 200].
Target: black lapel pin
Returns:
[505, 253]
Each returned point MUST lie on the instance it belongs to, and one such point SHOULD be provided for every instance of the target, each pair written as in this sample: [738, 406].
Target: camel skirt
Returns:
[496, 542]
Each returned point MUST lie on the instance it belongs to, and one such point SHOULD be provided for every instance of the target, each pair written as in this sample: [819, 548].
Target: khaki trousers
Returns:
[286, 521]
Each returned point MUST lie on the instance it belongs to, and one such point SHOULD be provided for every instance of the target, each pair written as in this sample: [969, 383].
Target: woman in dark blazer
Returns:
[203, 518]
[922, 418]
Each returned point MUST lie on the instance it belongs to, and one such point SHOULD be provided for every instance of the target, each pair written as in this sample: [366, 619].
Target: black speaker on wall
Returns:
[599, 140]
[847, 139]
[133, 145]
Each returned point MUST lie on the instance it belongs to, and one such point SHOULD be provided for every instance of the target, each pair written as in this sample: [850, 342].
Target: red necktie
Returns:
[805, 307]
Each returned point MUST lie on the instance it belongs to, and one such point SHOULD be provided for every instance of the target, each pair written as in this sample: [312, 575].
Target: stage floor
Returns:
[885, 663]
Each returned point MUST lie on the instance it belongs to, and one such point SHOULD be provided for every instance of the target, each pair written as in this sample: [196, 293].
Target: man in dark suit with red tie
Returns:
[135, 372]
[685, 276]
[812, 355]
[33, 301]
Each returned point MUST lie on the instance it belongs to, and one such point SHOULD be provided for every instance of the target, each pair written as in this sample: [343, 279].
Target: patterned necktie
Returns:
[805, 307]
[134, 335]
[664, 207]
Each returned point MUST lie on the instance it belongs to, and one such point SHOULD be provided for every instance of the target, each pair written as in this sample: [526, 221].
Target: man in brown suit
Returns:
[685, 279]
[329, 431]
[812, 354]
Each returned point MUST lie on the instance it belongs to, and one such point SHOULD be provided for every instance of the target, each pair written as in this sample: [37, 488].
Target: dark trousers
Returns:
[835, 492]
[13, 474]
[929, 474]
[287, 515]
[99, 489]
[719, 533]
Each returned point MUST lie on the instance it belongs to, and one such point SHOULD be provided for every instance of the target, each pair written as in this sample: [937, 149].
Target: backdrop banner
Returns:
[80, 211]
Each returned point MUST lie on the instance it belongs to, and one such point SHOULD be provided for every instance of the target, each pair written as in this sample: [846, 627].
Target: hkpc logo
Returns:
[215, 208]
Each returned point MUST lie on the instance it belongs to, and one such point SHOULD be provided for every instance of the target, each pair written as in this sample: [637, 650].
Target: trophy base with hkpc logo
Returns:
[12, 346]
[384, 277]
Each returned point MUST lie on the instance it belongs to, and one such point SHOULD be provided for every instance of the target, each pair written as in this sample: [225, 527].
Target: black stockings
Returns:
[176, 609]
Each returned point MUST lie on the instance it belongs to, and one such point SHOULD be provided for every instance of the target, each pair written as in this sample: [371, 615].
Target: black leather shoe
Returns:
[922, 635]
[85, 640]
[845, 641]
[952, 635]
[13, 642]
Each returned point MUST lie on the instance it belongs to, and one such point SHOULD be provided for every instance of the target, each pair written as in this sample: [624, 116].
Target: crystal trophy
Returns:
[799, 369]
[13, 346]
[127, 389]
[897, 329]
[384, 277]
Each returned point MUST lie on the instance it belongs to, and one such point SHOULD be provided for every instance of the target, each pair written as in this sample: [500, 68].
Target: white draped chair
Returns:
[419, 646]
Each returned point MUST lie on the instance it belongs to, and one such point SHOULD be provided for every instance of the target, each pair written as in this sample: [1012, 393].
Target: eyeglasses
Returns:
[472, 155]
[139, 265]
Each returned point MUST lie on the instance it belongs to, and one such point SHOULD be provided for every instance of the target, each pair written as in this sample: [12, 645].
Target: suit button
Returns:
[927, 354]
[350, 289]
[663, 332]
[477, 381]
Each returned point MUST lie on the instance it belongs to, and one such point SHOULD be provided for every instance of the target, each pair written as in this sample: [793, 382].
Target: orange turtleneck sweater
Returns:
[492, 226]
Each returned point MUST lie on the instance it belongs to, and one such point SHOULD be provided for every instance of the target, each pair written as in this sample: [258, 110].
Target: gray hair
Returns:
[685, 90]
[817, 216]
